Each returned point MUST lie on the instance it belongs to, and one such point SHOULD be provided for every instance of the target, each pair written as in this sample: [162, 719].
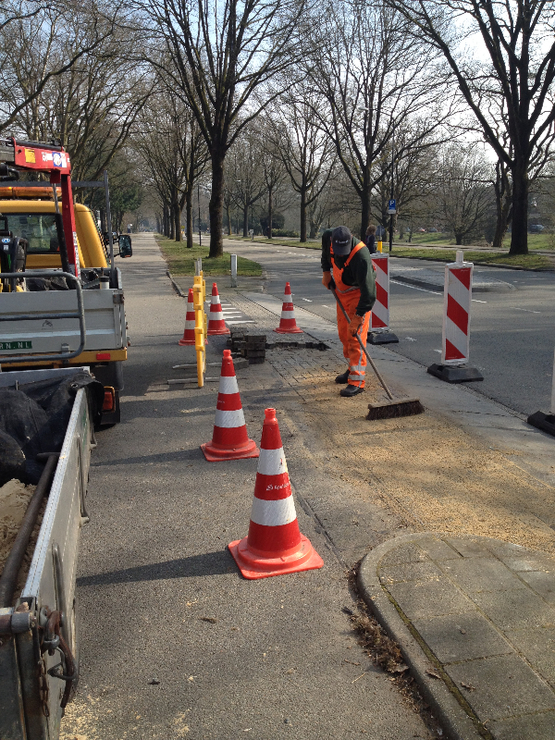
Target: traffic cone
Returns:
[274, 545]
[229, 440]
[189, 333]
[216, 323]
[287, 324]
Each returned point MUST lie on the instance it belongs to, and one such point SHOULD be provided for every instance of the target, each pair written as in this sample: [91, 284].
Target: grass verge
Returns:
[182, 261]
[525, 261]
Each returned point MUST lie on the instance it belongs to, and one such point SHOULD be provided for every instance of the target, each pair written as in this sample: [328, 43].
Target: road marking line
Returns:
[526, 310]
[306, 299]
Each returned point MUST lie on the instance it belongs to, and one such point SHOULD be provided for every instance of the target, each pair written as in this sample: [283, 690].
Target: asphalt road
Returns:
[512, 336]
[175, 643]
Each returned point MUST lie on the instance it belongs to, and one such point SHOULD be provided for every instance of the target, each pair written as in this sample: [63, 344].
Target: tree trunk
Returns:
[216, 205]
[189, 211]
[245, 220]
[177, 221]
[519, 236]
[365, 219]
[501, 225]
[167, 230]
[228, 214]
[303, 216]
[270, 210]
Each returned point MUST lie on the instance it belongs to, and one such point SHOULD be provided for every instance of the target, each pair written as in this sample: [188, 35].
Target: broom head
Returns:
[394, 409]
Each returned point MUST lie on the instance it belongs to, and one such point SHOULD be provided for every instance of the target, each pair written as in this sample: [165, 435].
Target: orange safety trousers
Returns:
[352, 351]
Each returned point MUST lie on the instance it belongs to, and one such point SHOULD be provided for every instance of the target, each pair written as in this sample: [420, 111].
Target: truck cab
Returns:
[65, 306]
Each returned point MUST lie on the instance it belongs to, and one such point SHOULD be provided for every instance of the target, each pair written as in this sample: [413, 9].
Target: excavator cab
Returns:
[13, 256]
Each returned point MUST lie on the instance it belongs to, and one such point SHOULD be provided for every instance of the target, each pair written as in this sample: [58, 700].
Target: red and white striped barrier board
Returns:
[457, 297]
[380, 310]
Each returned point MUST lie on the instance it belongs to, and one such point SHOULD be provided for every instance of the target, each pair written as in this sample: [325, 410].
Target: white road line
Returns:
[306, 299]
[526, 310]
[410, 339]
[475, 300]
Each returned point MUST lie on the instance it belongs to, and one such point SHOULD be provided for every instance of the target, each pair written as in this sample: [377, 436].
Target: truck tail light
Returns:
[109, 398]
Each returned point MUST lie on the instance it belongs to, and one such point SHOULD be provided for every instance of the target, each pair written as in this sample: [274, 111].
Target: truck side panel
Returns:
[105, 321]
[33, 711]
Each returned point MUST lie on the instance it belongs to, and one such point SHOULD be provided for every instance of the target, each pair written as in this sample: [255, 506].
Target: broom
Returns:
[393, 408]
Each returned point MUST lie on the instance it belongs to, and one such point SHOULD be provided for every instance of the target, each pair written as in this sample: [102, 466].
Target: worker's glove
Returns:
[355, 324]
[327, 280]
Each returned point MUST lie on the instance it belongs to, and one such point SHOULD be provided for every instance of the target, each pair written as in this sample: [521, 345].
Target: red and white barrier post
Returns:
[540, 420]
[457, 298]
[379, 323]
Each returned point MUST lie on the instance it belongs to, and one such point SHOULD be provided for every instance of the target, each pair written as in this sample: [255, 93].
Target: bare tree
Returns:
[247, 172]
[306, 152]
[464, 191]
[518, 37]
[222, 56]
[172, 149]
[373, 84]
[41, 41]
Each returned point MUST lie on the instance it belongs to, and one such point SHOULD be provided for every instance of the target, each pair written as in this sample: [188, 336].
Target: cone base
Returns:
[215, 332]
[253, 566]
[295, 330]
[214, 454]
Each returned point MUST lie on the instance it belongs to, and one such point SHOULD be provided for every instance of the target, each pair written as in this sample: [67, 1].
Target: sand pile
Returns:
[14, 500]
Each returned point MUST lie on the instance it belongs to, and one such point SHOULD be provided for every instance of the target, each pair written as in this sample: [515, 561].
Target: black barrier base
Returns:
[382, 337]
[455, 374]
[545, 422]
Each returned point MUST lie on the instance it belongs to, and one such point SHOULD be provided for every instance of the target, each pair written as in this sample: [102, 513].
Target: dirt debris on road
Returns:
[427, 469]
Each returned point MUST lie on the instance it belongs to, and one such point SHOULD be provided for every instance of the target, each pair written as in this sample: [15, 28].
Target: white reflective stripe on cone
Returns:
[229, 419]
[273, 513]
[228, 384]
[272, 462]
[216, 315]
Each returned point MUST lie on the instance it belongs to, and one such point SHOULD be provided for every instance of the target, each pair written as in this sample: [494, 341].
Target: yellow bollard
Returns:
[201, 355]
[380, 246]
[200, 329]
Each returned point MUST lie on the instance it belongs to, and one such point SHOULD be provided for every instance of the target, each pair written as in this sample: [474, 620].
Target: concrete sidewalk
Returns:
[475, 619]
[474, 616]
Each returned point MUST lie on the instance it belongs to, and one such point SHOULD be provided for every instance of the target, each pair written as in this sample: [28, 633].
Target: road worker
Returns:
[347, 267]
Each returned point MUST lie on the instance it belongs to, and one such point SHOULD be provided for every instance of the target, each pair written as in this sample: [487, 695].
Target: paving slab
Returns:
[476, 623]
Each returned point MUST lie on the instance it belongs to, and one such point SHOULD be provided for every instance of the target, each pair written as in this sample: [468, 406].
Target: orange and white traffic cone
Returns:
[274, 545]
[229, 439]
[287, 324]
[189, 333]
[216, 323]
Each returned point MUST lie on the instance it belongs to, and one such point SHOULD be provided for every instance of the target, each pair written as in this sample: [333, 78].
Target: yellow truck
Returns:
[61, 296]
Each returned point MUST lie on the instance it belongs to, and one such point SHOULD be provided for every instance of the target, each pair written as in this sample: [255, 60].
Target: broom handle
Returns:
[370, 360]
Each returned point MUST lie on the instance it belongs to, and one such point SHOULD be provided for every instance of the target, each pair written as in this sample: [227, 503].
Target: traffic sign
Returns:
[391, 207]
